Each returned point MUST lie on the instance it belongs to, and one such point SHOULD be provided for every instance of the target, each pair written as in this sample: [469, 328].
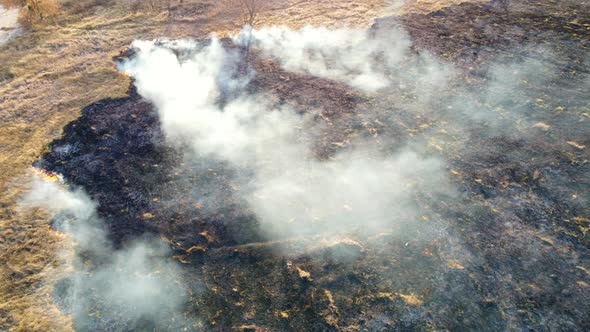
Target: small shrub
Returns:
[33, 11]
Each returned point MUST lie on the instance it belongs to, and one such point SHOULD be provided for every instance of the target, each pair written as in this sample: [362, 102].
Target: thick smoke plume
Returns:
[363, 191]
[199, 91]
[290, 191]
[187, 91]
[134, 287]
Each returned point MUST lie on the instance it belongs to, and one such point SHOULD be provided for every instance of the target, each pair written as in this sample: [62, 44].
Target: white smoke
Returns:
[367, 59]
[186, 94]
[288, 189]
[127, 285]
[363, 191]
[73, 213]
[504, 100]
[340, 54]
[198, 90]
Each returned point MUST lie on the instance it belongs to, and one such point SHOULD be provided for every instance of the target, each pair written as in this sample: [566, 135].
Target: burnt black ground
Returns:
[511, 253]
[117, 152]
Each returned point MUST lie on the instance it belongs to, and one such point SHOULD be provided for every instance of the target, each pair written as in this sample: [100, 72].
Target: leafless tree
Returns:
[249, 10]
[169, 7]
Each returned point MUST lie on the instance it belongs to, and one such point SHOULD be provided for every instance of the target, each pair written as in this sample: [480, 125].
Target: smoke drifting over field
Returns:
[363, 191]
[199, 91]
[369, 60]
[187, 90]
[133, 287]
[289, 190]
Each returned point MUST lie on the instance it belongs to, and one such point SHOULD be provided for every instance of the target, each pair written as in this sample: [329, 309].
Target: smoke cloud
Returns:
[134, 287]
[360, 190]
[369, 60]
[187, 92]
[200, 92]
[286, 186]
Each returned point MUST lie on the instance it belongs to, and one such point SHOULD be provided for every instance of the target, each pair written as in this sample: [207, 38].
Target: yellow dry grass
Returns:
[58, 69]
[427, 6]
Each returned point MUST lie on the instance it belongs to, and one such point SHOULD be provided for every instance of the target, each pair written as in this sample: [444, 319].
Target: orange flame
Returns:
[58, 234]
[48, 176]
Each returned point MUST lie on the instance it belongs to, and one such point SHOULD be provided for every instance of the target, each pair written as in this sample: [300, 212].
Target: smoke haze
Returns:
[367, 59]
[134, 287]
[287, 187]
